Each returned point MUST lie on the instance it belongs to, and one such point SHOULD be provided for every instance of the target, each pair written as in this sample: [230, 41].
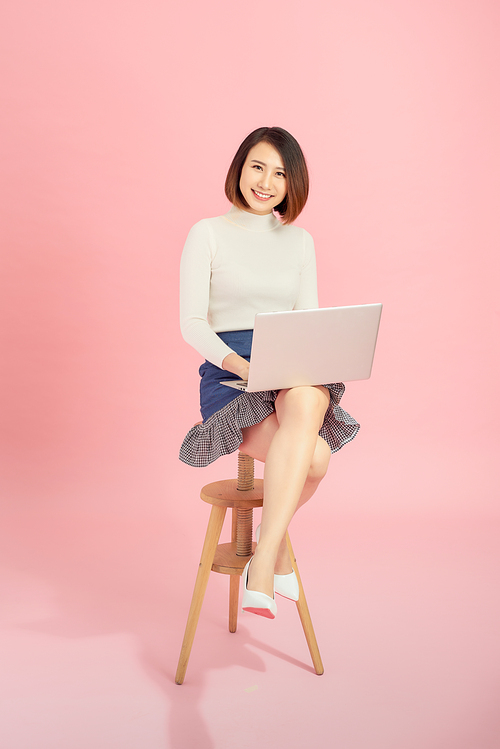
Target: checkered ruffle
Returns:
[221, 433]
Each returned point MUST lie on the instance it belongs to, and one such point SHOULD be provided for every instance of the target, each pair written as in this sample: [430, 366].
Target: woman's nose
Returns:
[265, 180]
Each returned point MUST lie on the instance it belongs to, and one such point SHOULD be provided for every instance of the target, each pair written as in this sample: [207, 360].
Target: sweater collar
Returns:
[252, 221]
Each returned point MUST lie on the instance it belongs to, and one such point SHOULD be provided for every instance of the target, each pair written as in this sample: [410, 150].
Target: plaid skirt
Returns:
[226, 411]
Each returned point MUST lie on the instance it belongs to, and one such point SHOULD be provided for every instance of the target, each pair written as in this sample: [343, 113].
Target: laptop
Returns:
[311, 347]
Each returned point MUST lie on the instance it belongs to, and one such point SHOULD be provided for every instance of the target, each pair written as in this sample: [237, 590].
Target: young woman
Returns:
[252, 260]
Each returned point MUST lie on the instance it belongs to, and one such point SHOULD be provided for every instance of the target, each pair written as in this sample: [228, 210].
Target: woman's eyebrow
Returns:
[263, 163]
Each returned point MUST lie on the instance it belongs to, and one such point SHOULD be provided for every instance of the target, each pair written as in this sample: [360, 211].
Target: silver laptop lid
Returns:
[310, 347]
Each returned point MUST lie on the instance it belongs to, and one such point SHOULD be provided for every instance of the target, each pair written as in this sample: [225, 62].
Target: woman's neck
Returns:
[252, 221]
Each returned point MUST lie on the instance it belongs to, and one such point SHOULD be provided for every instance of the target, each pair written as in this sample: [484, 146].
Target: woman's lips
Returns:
[261, 195]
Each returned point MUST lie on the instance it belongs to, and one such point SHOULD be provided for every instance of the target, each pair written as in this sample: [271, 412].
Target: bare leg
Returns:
[290, 455]
[316, 473]
[256, 442]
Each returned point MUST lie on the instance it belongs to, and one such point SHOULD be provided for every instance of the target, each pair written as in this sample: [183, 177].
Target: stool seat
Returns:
[242, 496]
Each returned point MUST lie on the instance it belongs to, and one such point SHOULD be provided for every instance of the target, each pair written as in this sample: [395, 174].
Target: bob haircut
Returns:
[297, 177]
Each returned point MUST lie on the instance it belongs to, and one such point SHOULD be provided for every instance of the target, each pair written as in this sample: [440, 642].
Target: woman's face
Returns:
[263, 179]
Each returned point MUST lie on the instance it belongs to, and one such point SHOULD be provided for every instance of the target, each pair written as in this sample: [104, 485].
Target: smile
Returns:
[261, 195]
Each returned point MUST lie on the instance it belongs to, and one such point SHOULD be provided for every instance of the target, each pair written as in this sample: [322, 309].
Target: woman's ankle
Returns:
[283, 564]
[260, 575]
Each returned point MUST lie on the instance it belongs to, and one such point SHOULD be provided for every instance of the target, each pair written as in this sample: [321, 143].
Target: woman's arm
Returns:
[195, 274]
[307, 297]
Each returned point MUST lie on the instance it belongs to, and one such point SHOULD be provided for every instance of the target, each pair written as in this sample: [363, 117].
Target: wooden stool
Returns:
[242, 495]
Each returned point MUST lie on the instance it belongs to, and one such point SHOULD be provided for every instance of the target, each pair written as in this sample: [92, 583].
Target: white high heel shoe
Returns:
[285, 585]
[255, 602]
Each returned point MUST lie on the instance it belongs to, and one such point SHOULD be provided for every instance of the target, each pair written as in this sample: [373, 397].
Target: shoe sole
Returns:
[266, 613]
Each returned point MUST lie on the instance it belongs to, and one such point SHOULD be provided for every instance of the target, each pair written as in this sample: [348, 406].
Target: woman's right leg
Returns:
[295, 463]
[256, 441]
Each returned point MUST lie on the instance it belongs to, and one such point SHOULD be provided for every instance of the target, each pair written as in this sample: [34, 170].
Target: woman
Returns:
[232, 267]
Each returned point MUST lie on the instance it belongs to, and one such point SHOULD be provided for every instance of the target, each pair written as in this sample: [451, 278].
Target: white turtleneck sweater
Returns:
[236, 265]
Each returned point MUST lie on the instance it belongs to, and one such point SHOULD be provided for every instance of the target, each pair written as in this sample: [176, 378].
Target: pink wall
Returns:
[119, 121]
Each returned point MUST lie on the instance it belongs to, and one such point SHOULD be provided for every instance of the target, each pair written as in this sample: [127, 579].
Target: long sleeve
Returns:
[307, 297]
[195, 271]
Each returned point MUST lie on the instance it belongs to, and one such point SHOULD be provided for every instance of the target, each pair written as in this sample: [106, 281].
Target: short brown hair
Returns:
[297, 177]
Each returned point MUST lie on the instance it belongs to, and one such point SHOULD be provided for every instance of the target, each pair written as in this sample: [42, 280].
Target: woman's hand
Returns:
[237, 365]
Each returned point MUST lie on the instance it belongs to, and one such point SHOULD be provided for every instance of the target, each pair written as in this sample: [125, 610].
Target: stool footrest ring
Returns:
[228, 562]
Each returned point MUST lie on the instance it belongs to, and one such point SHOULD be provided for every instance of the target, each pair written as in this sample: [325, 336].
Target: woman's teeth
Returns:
[262, 195]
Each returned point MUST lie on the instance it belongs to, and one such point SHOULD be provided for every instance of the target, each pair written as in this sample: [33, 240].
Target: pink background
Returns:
[119, 120]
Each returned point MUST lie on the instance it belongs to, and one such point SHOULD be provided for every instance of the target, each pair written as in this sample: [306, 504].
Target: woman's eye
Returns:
[280, 174]
[256, 166]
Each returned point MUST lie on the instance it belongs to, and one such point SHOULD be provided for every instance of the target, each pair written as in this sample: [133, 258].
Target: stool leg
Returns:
[234, 597]
[305, 617]
[212, 536]
[234, 580]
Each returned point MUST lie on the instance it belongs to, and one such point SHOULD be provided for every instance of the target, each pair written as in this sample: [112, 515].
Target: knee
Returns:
[305, 401]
